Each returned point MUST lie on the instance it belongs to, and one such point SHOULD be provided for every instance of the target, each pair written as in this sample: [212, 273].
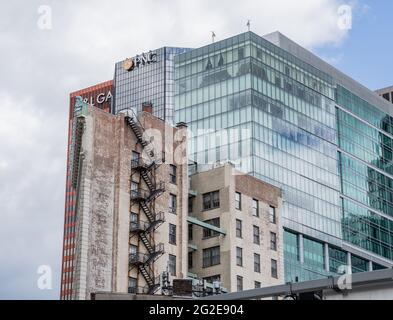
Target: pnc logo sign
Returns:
[140, 60]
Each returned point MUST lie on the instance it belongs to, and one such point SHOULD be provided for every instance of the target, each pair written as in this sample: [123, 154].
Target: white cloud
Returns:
[40, 68]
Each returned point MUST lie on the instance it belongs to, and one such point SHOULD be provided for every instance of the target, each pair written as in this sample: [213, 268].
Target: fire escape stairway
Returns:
[147, 180]
[144, 228]
[138, 131]
[143, 261]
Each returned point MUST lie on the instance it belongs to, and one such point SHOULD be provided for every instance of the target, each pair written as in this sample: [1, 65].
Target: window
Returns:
[172, 203]
[274, 269]
[272, 214]
[239, 282]
[133, 220]
[134, 188]
[241, 53]
[211, 279]
[238, 228]
[208, 233]
[190, 203]
[172, 265]
[255, 208]
[238, 201]
[257, 262]
[257, 284]
[190, 260]
[256, 236]
[133, 253]
[211, 256]
[239, 256]
[132, 285]
[273, 241]
[135, 159]
[172, 233]
[211, 200]
[314, 253]
[190, 229]
[259, 53]
[172, 173]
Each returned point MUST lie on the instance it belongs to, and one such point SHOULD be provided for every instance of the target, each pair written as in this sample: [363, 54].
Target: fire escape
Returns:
[145, 198]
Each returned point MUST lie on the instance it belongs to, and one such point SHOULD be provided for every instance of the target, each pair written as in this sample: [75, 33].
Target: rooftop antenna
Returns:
[249, 25]
[213, 35]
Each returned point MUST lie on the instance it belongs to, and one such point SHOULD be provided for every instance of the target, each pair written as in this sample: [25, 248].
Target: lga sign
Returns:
[140, 60]
[99, 99]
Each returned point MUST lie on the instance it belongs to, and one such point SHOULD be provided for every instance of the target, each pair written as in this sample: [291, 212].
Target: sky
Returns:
[42, 61]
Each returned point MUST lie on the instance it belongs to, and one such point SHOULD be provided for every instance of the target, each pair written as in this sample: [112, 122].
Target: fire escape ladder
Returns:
[144, 264]
[157, 191]
[145, 198]
[147, 180]
[147, 210]
[147, 274]
[146, 242]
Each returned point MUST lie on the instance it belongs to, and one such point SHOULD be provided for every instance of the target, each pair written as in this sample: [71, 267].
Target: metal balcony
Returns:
[142, 164]
[148, 195]
[138, 258]
[147, 226]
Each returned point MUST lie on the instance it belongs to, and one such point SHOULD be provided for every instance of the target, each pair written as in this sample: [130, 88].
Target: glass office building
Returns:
[285, 116]
[149, 78]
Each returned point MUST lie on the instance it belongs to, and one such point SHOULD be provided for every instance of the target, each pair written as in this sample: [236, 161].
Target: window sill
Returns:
[203, 210]
[211, 237]
[213, 265]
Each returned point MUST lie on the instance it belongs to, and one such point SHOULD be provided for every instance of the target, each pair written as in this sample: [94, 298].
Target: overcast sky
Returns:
[39, 68]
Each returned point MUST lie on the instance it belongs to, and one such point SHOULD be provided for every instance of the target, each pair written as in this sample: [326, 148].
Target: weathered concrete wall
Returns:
[228, 181]
[105, 206]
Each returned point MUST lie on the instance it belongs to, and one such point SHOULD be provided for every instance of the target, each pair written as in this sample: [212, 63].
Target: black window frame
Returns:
[256, 235]
[238, 202]
[173, 203]
[190, 232]
[172, 264]
[272, 215]
[239, 283]
[273, 241]
[239, 228]
[209, 259]
[190, 259]
[273, 268]
[255, 211]
[211, 200]
[239, 256]
[173, 174]
[172, 234]
[257, 262]
[132, 288]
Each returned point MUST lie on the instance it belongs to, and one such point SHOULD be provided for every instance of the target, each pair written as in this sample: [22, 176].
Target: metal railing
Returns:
[143, 194]
[143, 258]
[145, 225]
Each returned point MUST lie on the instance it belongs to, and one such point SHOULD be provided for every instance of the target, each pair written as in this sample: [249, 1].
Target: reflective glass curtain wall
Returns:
[151, 82]
[275, 116]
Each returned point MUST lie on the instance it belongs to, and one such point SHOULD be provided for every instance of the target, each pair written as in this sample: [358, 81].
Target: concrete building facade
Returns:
[100, 96]
[122, 194]
[386, 93]
[247, 251]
